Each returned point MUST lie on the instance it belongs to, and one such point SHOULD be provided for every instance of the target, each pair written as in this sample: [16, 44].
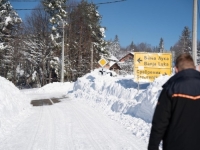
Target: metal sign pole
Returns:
[138, 87]
[194, 32]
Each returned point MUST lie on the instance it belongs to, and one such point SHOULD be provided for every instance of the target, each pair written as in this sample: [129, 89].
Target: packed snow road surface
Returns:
[69, 125]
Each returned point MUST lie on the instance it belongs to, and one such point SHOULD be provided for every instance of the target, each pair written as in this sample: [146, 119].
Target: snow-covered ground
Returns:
[95, 112]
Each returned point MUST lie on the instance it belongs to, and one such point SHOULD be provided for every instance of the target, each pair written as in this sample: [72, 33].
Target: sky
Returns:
[139, 20]
[108, 113]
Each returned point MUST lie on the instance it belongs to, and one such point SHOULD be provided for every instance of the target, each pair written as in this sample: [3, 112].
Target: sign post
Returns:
[102, 62]
[148, 66]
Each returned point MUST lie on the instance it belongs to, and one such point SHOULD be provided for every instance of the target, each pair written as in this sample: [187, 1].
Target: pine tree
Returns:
[114, 47]
[161, 45]
[9, 23]
[198, 52]
[58, 19]
[56, 10]
[37, 46]
[86, 34]
[185, 41]
[184, 44]
[131, 47]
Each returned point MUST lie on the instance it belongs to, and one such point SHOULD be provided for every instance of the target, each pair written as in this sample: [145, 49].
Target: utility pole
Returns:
[62, 56]
[194, 32]
[91, 56]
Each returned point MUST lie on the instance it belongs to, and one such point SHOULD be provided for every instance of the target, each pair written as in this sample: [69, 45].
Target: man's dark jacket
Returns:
[176, 119]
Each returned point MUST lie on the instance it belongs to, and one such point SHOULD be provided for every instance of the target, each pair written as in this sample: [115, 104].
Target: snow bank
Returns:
[121, 93]
[13, 106]
[120, 98]
[61, 87]
[147, 100]
[55, 89]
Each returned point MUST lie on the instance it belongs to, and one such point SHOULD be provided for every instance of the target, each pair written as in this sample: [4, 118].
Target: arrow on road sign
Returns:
[139, 60]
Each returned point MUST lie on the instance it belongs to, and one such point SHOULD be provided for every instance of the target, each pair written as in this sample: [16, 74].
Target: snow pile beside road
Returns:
[120, 99]
[147, 100]
[63, 87]
[55, 89]
[13, 106]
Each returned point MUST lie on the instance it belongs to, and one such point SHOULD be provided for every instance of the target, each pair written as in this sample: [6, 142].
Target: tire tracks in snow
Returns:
[64, 140]
[70, 125]
[52, 132]
[33, 138]
[45, 133]
[108, 132]
[91, 143]
[4, 144]
[101, 131]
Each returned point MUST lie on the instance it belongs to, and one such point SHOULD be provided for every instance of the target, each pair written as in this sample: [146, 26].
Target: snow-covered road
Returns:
[70, 125]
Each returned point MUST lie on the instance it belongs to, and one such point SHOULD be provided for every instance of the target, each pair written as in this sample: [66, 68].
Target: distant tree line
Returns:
[183, 45]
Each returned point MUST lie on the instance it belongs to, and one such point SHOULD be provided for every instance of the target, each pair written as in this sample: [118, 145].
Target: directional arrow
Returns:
[139, 60]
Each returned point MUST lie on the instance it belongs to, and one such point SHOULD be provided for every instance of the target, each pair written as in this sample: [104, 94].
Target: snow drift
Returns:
[13, 106]
[121, 94]
[121, 99]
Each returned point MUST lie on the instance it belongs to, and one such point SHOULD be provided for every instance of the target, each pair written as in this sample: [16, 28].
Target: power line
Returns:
[117, 1]
[110, 2]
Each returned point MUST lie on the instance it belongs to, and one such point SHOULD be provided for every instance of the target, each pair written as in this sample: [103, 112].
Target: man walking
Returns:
[176, 120]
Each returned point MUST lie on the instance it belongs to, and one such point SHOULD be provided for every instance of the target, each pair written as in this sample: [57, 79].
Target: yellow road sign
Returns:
[102, 62]
[149, 74]
[148, 66]
[152, 60]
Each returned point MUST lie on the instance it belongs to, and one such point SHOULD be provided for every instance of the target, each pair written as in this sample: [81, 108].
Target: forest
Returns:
[31, 49]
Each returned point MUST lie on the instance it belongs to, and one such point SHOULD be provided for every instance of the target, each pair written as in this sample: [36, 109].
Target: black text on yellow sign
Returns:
[153, 60]
[149, 74]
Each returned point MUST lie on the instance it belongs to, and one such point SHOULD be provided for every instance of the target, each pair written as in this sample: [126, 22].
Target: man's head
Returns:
[184, 61]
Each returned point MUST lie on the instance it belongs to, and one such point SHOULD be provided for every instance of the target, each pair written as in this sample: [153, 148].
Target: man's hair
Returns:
[184, 61]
